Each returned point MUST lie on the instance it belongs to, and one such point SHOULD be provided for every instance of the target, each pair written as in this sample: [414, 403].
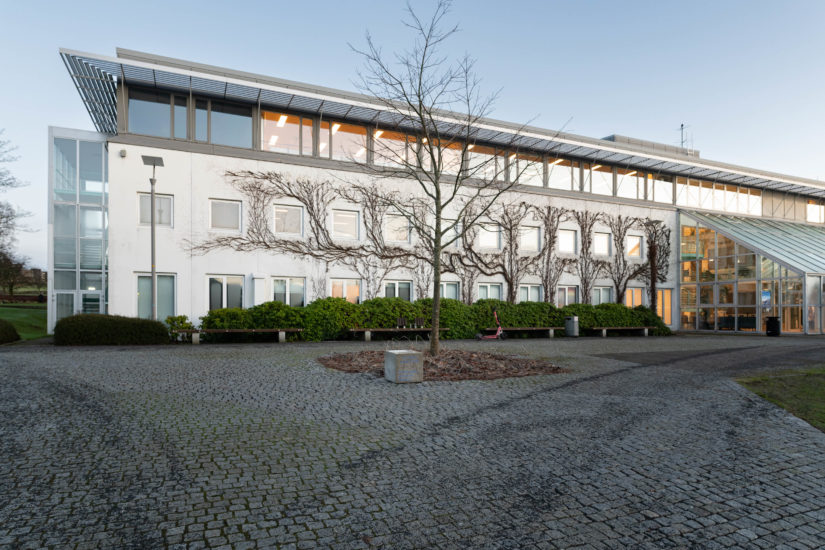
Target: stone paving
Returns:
[646, 443]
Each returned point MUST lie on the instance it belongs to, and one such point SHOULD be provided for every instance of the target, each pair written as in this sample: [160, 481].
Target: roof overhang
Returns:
[96, 78]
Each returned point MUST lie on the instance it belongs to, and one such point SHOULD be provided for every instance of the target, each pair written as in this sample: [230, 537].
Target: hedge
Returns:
[7, 332]
[331, 318]
[93, 329]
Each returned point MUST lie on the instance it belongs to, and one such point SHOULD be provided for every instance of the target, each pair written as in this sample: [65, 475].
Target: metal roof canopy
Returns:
[96, 80]
[798, 246]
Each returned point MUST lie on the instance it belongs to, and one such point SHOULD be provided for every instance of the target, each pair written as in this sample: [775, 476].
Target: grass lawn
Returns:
[802, 393]
[28, 319]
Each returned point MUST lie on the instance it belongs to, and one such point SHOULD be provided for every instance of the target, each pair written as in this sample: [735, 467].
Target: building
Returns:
[747, 244]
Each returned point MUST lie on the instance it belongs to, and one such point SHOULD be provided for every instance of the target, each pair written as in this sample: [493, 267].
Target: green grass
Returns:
[802, 393]
[28, 319]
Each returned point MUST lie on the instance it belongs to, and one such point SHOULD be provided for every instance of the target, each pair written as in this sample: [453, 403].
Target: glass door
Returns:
[65, 305]
[91, 302]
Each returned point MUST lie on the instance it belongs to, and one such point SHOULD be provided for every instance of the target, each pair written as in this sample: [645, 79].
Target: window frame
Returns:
[226, 229]
[628, 247]
[409, 227]
[490, 285]
[529, 286]
[287, 280]
[443, 287]
[601, 290]
[346, 282]
[608, 240]
[275, 207]
[528, 229]
[357, 224]
[148, 275]
[395, 283]
[575, 241]
[171, 198]
[482, 227]
[224, 287]
[562, 290]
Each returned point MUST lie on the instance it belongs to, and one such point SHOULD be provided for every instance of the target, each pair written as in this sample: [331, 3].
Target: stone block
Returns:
[403, 366]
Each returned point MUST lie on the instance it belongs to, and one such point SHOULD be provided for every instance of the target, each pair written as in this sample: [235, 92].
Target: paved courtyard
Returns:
[645, 443]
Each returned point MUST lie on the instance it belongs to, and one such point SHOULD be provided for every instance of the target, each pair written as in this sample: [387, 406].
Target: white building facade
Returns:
[206, 121]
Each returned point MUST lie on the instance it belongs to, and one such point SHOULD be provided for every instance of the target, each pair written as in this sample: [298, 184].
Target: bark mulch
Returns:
[450, 365]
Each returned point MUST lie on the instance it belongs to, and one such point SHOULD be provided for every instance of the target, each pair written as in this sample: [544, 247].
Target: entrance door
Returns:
[65, 305]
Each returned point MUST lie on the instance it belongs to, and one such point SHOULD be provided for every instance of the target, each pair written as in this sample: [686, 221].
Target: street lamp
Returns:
[154, 162]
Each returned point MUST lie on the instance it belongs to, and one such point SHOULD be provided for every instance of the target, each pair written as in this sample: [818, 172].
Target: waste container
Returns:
[773, 327]
[571, 326]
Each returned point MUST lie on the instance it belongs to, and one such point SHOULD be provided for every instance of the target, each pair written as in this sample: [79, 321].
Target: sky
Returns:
[745, 76]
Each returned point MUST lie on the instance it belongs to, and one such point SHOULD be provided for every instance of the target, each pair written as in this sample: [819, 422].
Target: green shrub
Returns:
[179, 322]
[7, 332]
[233, 317]
[585, 312]
[647, 317]
[92, 329]
[330, 319]
[385, 312]
[275, 315]
[455, 315]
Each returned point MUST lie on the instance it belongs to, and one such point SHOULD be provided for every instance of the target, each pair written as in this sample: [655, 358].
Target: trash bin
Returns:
[773, 326]
[571, 326]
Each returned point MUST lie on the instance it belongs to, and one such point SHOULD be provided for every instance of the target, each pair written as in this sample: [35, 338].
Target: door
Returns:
[65, 305]
[91, 302]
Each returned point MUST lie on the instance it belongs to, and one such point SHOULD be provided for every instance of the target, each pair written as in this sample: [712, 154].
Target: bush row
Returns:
[93, 329]
[332, 318]
[7, 332]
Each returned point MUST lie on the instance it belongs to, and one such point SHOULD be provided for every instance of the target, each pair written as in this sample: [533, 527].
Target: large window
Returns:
[225, 291]
[163, 209]
[345, 224]
[397, 228]
[529, 293]
[223, 123]
[449, 290]
[288, 219]
[390, 148]
[527, 169]
[664, 303]
[283, 133]
[288, 290]
[398, 289]
[560, 174]
[633, 297]
[489, 236]
[601, 179]
[485, 163]
[349, 289]
[349, 141]
[567, 241]
[629, 184]
[489, 290]
[165, 294]
[225, 215]
[150, 113]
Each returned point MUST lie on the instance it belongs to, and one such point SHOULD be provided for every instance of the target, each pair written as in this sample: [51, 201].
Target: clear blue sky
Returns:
[747, 76]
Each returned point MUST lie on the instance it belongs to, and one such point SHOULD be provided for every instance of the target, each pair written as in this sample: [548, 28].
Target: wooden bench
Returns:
[367, 332]
[196, 333]
[645, 330]
[549, 332]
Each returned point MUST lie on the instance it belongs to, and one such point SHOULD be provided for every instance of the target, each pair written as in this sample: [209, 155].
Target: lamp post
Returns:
[154, 162]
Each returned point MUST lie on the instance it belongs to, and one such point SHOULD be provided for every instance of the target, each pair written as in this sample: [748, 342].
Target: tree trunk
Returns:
[654, 274]
[620, 292]
[435, 333]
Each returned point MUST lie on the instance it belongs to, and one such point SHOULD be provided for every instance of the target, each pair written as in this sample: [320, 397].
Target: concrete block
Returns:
[403, 366]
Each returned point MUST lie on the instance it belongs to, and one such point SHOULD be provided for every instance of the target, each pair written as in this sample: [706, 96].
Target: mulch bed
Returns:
[450, 365]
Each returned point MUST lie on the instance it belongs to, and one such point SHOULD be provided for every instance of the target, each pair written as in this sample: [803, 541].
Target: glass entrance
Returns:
[91, 302]
[65, 305]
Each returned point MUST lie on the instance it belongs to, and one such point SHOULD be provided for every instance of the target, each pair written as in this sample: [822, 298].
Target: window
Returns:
[289, 219]
[529, 293]
[225, 291]
[163, 209]
[485, 163]
[349, 289]
[560, 174]
[530, 239]
[451, 156]
[601, 244]
[202, 120]
[816, 212]
[165, 296]
[489, 236]
[397, 228]
[663, 189]
[288, 290]
[602, 295]
[663, 305]
[634, 246]
[389, 148]
[224, 214]
[149, 113]
[567, 241]
[601, 180]
[349, 142]
[282, 133]
[230, 125]
[629, 185]
[633, 297]
[345, 224]
[566, 295]
[398, 289]
[527, 170]
[450, 290]
[489, 290]
[179, 118]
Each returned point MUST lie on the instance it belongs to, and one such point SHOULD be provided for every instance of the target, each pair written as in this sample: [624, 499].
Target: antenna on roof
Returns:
[682, 135]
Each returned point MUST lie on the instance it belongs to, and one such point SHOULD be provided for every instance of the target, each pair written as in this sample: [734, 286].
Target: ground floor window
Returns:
[348, 289]
[566, 295]
[529, 293]
[165, 293]
[398, 289]
[664, 297]
[450, 290]
[288, 290]
[489, 290]
[633, 297]
[225, 291]
[602, 295]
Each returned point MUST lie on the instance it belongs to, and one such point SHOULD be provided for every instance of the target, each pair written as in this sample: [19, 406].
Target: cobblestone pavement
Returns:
[646, 443]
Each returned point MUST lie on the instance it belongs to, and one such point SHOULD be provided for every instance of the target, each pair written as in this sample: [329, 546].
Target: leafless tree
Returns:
[550, 266]
[422, 278]
[12, 271]
[657, 267]
[437, 104]
[587, 267]
[319, 280]
[508, 261]
[9, 215]
[620, 269]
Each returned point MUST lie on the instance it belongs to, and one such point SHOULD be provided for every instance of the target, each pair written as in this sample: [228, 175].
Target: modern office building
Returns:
[747, 244]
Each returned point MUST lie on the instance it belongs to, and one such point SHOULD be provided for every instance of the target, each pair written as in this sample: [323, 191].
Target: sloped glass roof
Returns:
[800, 246]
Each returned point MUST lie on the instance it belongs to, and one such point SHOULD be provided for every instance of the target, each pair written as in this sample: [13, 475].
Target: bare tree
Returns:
[620, 269]
[12, 271]
[422, 278]
[657, 267]
[9, 215]
[437, 108]
[319, 280]
[508, 261]
[587, 267]
[550, 266]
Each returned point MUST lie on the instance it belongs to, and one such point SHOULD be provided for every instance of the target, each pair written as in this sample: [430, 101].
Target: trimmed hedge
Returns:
[93, 329]
[7, 332]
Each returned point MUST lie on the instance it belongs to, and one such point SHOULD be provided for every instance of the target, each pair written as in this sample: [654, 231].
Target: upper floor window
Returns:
[560, 174]
[629, 184]
[283, 133]
[599, 179]
[530, 239]
[163, 209]
[289, 219]
[155, 113]
[526, 169]
[223, 123]
[345, 224]
[567, 241]
[225, 214]
[340, 141]
[484, 163]
[489, 236]
[397, 228]
[634, 246]
[390, 148]
[601, 244]
[816, 212]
